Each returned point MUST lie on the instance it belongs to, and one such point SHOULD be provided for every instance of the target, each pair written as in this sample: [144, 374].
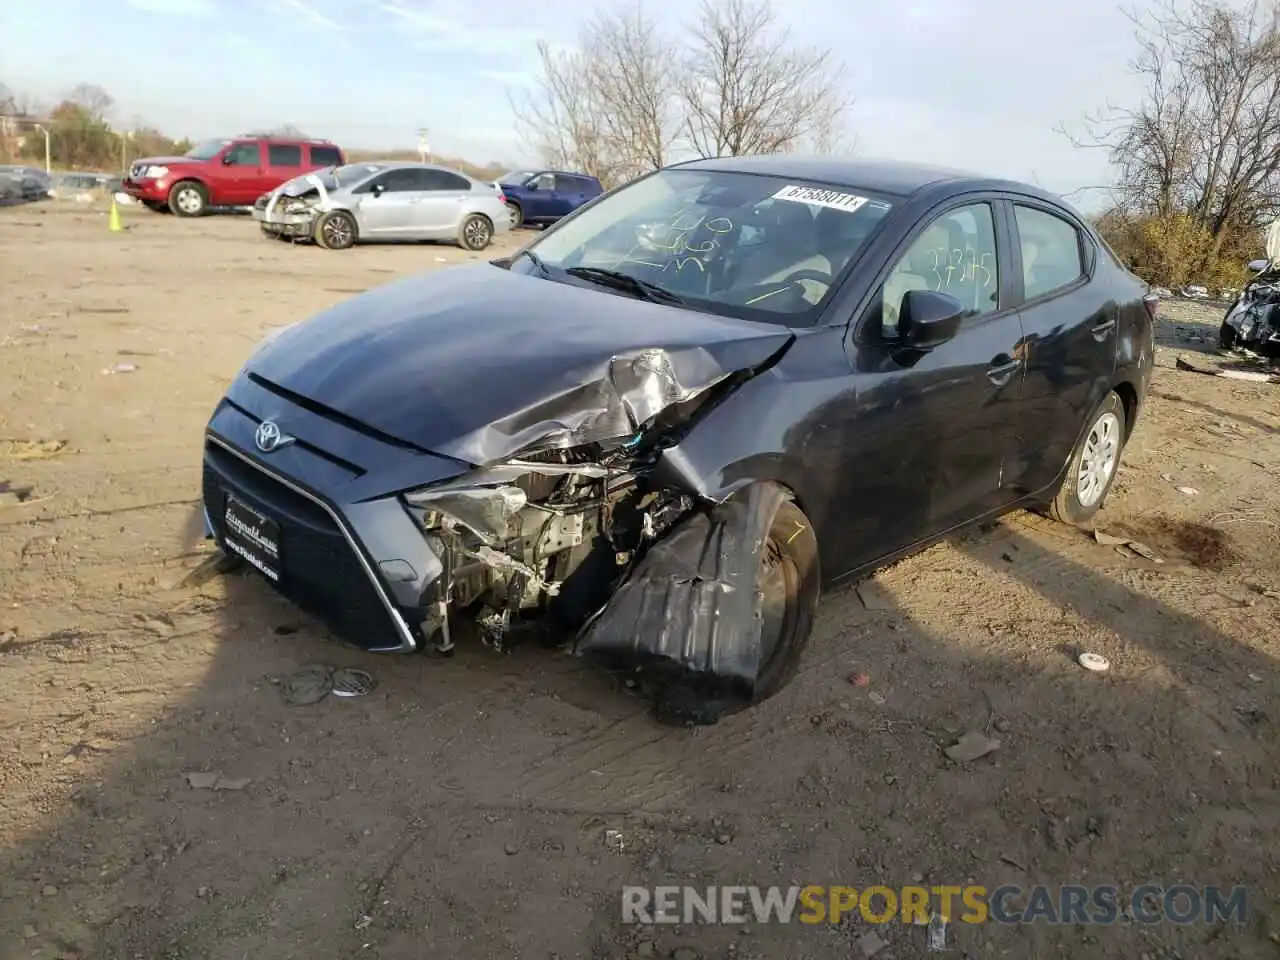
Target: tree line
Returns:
[1197, 156]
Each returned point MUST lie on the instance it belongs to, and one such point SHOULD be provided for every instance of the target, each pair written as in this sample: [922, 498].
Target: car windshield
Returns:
[206, 150]
[756, 247]
[516, 176]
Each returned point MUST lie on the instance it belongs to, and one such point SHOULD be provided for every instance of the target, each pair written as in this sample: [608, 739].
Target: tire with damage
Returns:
[716, 615]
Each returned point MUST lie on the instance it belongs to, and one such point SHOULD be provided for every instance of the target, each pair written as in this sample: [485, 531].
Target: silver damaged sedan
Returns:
[338, 207]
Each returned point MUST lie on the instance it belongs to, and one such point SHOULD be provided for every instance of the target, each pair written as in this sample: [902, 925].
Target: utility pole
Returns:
[424, 148]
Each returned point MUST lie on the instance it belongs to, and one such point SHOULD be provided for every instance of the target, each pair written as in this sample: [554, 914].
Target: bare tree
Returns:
[96, 102]
[746, 88]
[1204, 140]
[606, 108]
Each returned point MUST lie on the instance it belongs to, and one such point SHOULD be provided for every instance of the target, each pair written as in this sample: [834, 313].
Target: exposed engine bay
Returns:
[545, 536]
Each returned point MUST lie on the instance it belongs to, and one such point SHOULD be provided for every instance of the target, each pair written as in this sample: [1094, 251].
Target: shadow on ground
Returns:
[462, 809]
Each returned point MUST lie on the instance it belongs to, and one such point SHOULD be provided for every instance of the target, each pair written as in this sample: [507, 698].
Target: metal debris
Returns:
[971, 746]
[1094, 661]
[215, 781]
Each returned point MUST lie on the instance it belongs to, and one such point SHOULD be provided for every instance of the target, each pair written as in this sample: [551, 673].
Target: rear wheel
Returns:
[1093, 466]
[336, 230]
[475, 233]
[188, 199]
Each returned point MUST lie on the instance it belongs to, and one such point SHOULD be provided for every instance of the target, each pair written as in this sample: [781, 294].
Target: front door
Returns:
[387, 204]
[243, 175]
[940, 422]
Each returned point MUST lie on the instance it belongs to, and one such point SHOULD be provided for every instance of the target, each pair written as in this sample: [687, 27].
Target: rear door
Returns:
[571, 191]
[1071, 336]
[242, 174]
[438, 202]
[284, 162]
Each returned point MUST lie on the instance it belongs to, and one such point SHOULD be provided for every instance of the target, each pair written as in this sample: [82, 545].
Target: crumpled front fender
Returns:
[689, 615]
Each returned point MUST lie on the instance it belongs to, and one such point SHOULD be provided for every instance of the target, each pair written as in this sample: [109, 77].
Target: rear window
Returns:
[284, 154]
[326, 156]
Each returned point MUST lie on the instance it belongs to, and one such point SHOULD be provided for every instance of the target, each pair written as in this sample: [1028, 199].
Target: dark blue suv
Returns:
[544, 196]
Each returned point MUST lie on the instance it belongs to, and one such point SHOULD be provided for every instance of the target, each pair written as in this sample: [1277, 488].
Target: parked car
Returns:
[390, 200]
[225, 173]
[542, 197]
[670, 455]
[19, 184]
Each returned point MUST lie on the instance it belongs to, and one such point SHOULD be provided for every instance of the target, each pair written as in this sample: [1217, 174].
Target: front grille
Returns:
[319, 571]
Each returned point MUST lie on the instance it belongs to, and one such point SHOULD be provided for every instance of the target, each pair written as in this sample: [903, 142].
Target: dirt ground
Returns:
[461, 809]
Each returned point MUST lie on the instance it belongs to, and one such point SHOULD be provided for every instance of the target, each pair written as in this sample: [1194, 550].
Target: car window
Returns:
[403, 180]
[442, 180]
[568, 184]
[955, 255]
[326, 156]
[746, 245]
[284, 154]
[546, 181]
[1050, 251]
[244, 155]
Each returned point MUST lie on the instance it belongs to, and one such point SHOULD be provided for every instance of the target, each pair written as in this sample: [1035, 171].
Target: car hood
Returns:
[480, 364]
[164, 161]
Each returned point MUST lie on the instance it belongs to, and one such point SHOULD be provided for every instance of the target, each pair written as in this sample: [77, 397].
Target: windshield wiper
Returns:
[624, 281]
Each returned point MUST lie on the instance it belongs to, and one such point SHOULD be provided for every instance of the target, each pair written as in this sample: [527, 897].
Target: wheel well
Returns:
[1129, 399]
[185, 180]
[483, 216]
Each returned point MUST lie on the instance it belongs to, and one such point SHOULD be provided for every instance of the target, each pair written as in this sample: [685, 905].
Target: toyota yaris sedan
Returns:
[671, 421]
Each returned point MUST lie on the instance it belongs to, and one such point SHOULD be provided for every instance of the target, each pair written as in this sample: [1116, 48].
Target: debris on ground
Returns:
[1126, 546]
[1256, 376]
[214, 781]
[33, 449]
[120, 368]
[1187, 491]
[11, 496]
[1094, 661]
[971, 746]
[314, 682]
[937, 932]
[870, 944]
[311, 684]
[874, 596]
[614, 842]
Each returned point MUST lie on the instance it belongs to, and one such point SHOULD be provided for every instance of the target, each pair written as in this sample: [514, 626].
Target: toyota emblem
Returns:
[269, 437]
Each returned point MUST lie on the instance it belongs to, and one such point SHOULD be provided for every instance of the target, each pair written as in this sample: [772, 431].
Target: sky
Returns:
[976, 84]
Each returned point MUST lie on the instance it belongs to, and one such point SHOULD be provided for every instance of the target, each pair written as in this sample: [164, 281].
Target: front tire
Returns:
[516, 214]
[1093, 465]
[475, 233]
[189, 199]
[336, 230]
[790, 580]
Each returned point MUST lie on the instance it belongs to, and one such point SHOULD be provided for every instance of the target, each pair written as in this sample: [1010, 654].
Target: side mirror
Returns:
[1256, 266]
[928, 318]
[226, 159]
[378, 189]
[531, 185]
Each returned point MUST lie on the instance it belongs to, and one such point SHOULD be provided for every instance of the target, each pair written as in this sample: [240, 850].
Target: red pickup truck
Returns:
[225, 173]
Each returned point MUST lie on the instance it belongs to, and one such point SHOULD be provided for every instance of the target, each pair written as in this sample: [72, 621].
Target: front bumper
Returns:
[155, 191]
[358, 562]
[278, 223]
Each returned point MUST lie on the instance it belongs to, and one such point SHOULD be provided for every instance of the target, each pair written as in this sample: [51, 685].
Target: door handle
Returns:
[1102, 329]
[1002, 368]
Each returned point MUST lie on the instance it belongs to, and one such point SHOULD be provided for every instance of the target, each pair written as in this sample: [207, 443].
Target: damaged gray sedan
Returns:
[661, 427]
[338, 207]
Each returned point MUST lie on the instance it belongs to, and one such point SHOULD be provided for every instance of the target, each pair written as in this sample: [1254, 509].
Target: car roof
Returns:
[891, 177]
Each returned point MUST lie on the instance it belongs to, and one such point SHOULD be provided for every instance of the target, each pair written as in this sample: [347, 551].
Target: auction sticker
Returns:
[817, 197]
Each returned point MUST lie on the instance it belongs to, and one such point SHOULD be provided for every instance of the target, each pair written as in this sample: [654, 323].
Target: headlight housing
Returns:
[485, 511]
[154, 172]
